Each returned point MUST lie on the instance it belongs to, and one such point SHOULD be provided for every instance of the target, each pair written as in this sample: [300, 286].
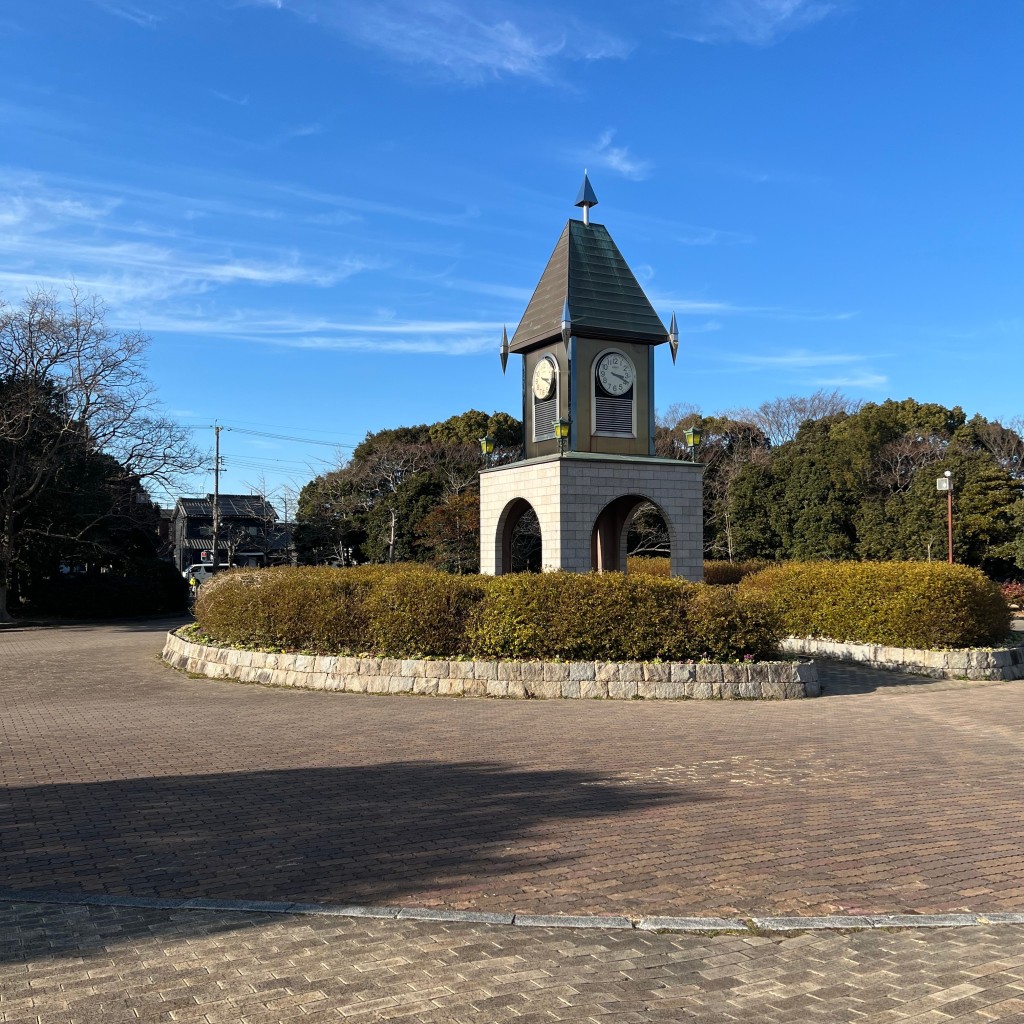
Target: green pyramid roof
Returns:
[605, 299]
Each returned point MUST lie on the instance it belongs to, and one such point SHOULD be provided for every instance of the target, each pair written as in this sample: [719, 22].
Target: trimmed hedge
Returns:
[613, 617]
[715, 572]
[409, 611]
[898, 604]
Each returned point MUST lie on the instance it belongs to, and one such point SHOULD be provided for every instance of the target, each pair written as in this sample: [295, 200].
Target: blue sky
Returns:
[323, 211]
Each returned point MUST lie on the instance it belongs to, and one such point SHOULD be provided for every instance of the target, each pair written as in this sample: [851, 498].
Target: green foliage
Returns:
[405, 495]
[823, 479]
[899, 604]
[148, 587]
[615, 617]
[411, 610]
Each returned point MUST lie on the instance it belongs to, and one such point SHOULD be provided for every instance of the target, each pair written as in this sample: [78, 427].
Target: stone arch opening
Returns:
[521, 544]
[629, 518]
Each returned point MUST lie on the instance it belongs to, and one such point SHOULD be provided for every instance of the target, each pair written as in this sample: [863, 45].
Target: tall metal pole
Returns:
[949, 520]
[216, 493]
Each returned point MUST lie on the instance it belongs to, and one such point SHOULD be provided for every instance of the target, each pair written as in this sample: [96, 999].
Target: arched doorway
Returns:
[521, 542]
[612, 532]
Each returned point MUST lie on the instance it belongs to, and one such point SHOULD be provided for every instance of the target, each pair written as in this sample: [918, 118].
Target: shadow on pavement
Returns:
[842, 679]
[329, 834]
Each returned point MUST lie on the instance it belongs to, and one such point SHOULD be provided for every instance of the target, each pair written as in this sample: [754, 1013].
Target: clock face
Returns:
[615, 373]
[544, 380]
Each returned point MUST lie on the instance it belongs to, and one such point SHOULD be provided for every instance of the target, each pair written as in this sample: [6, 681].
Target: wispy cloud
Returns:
[136, 15]
[709, 306]
[52, 234]
[616, 158]
[800, 359]
[469, 41]
[227, 97]
[302, 331]
[867, 380]
[755, 22]
[712, 236]
[801, 363]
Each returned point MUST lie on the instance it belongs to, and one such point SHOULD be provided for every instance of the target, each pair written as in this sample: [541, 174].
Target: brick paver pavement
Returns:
[123, 776]
[106, 965]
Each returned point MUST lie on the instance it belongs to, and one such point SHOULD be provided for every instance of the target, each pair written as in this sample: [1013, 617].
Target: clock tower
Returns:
[587, 341]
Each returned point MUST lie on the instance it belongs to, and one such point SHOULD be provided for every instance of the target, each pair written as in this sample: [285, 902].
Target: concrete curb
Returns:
[575, 680]
[755, 924]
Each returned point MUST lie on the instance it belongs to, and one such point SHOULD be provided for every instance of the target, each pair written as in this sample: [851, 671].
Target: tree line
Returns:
[804, 477]
[81, 439]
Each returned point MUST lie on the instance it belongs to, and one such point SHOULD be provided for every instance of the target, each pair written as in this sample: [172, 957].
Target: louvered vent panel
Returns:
[614, 415]
[544, 416]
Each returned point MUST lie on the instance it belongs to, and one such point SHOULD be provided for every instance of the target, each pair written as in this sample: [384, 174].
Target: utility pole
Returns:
[217, 428]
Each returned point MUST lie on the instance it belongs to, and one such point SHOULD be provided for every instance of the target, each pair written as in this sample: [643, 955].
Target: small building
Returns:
[249, 535]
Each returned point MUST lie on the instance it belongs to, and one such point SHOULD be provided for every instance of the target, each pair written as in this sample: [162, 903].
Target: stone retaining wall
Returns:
[972, 663]
[781, 680]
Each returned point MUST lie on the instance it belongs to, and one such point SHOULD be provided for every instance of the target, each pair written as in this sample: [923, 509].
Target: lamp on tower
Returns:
[561, 432]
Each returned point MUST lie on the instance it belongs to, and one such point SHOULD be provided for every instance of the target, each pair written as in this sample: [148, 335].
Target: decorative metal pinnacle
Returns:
[587, 198]
[566, 323]
[673, 336]
[504, 348]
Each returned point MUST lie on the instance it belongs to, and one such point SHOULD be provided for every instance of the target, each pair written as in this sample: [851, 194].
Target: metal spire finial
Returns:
[504, 348]
[673, 336]
[566, 325]
[587, 198]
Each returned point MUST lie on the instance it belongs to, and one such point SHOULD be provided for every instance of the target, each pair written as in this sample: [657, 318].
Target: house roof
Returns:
[240, 506]
[605, 299]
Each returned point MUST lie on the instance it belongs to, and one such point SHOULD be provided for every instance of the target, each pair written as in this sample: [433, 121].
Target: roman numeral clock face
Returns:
[615, 374]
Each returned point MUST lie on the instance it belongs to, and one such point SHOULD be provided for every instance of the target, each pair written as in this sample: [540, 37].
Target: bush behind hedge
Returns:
[899, 604]
[716, 572]
[409, 611]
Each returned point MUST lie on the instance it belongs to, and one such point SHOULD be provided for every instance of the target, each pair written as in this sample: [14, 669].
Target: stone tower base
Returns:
[584, 503]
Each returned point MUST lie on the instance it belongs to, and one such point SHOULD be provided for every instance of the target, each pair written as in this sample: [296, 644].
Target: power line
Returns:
[282, 437]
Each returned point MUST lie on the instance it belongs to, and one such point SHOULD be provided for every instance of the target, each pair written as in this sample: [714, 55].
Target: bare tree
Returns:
[71, 384]
[781, 418]
[1006, 443]
[900, 459]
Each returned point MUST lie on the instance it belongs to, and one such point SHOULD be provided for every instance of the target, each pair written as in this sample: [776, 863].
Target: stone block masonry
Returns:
[569, 493]
[576, 680]
[978, 663]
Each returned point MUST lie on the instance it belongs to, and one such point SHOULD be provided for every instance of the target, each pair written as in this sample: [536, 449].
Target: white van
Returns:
[202, 571]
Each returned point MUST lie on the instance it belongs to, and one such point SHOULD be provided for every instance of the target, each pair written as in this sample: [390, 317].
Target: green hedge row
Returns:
[409, 611]
[898, 604]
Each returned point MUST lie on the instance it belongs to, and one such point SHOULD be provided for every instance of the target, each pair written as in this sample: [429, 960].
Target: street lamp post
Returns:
[945, 483]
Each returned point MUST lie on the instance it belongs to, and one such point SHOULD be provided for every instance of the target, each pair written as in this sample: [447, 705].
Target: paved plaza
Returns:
[888, 795]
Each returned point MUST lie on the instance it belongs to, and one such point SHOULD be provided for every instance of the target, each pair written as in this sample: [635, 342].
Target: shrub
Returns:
[409, 611]
[420, 610]
[309, 607]
[722, 572]
[146, 587]
[644, 565]
[901, 604]
[715, 572]
[1014, 594]
[613, 617]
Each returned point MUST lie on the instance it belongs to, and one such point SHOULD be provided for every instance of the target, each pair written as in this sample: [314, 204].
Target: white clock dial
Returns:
[544, 380]
[615, 373]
